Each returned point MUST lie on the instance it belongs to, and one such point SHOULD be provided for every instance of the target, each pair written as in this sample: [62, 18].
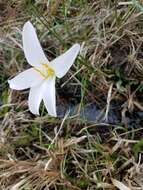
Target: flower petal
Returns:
[45, 91]
[62, 64]
[49, 96]
[31, 45]
[35, 98]
[26, 79]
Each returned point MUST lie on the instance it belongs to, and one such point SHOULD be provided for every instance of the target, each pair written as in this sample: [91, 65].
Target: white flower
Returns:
[41, 77]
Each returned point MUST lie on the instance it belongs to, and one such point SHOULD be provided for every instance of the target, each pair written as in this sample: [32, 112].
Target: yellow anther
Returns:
[49, 70]
[46, 71]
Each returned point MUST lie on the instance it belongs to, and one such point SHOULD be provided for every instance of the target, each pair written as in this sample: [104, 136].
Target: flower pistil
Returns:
[45, 70]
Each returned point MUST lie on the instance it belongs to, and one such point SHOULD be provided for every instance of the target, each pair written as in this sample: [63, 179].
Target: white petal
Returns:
[26, 79]
[62, 64]
[49, 96]
[31, 45]
[35, 98]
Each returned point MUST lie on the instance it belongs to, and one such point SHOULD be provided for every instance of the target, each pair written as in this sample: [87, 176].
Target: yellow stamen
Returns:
[41, 73]
[49, 70]
[46, 71]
